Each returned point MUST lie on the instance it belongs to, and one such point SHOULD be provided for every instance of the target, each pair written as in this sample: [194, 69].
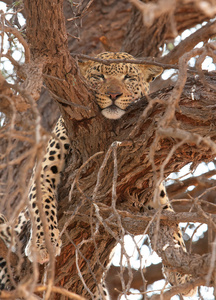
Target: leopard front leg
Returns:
[9, 236]
[52, 165]
[5, 235]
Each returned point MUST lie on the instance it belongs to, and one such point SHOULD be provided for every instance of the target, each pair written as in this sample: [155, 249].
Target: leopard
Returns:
[117, 86]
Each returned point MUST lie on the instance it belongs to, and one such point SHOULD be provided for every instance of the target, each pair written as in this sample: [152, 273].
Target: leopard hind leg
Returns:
[101, 293]
[172, 277]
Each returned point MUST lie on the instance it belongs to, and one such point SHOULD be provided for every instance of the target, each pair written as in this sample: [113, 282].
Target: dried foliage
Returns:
[115, 166]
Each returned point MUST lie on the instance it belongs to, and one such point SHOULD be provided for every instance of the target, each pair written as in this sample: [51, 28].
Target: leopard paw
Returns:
[41, 253]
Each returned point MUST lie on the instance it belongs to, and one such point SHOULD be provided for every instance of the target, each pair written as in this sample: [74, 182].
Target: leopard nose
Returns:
[114, 96]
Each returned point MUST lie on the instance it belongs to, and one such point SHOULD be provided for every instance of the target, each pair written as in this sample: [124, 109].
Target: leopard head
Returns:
[119, 84]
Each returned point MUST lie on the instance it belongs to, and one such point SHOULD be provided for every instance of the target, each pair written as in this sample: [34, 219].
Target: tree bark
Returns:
[114, 166]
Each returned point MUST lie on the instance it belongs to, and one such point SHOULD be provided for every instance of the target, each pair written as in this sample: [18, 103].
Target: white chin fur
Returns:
[113, 114]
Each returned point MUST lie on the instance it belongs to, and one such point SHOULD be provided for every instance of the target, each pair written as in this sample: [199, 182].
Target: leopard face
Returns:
[118, 85]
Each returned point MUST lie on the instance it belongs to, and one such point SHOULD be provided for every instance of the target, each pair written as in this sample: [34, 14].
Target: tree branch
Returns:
[181, 186]
[178, 289]
[20, 38]
[51, 46]
[201, 35]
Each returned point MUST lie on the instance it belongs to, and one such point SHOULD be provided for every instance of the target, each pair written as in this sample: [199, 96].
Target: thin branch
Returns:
[179, 289]
[134, 223]
[181, 186]
[150, 11]
[132, 61]
[201, 35]
[12, 60]
[188, 137]
[39, 289]
[22, 41]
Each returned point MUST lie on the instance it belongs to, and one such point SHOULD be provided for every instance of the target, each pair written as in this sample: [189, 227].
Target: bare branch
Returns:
[151, 11]
[22, 41]
[178, 289]
[201, 35]
[188, 137]
[39, 289]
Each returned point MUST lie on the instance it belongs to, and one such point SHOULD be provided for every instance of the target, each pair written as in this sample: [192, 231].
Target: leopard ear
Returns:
[150, 72]
[84, 65]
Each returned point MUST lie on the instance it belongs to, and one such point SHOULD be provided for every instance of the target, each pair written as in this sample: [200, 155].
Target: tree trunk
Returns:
[114, 166]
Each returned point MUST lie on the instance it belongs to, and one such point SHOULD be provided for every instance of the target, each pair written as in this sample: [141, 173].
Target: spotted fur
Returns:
[174, 278]
[4, 276]
[116, 87]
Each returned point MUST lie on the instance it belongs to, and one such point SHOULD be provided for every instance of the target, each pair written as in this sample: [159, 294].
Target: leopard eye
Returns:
[98, 77]
[131, 78]
[127, 76]
[150, 78]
